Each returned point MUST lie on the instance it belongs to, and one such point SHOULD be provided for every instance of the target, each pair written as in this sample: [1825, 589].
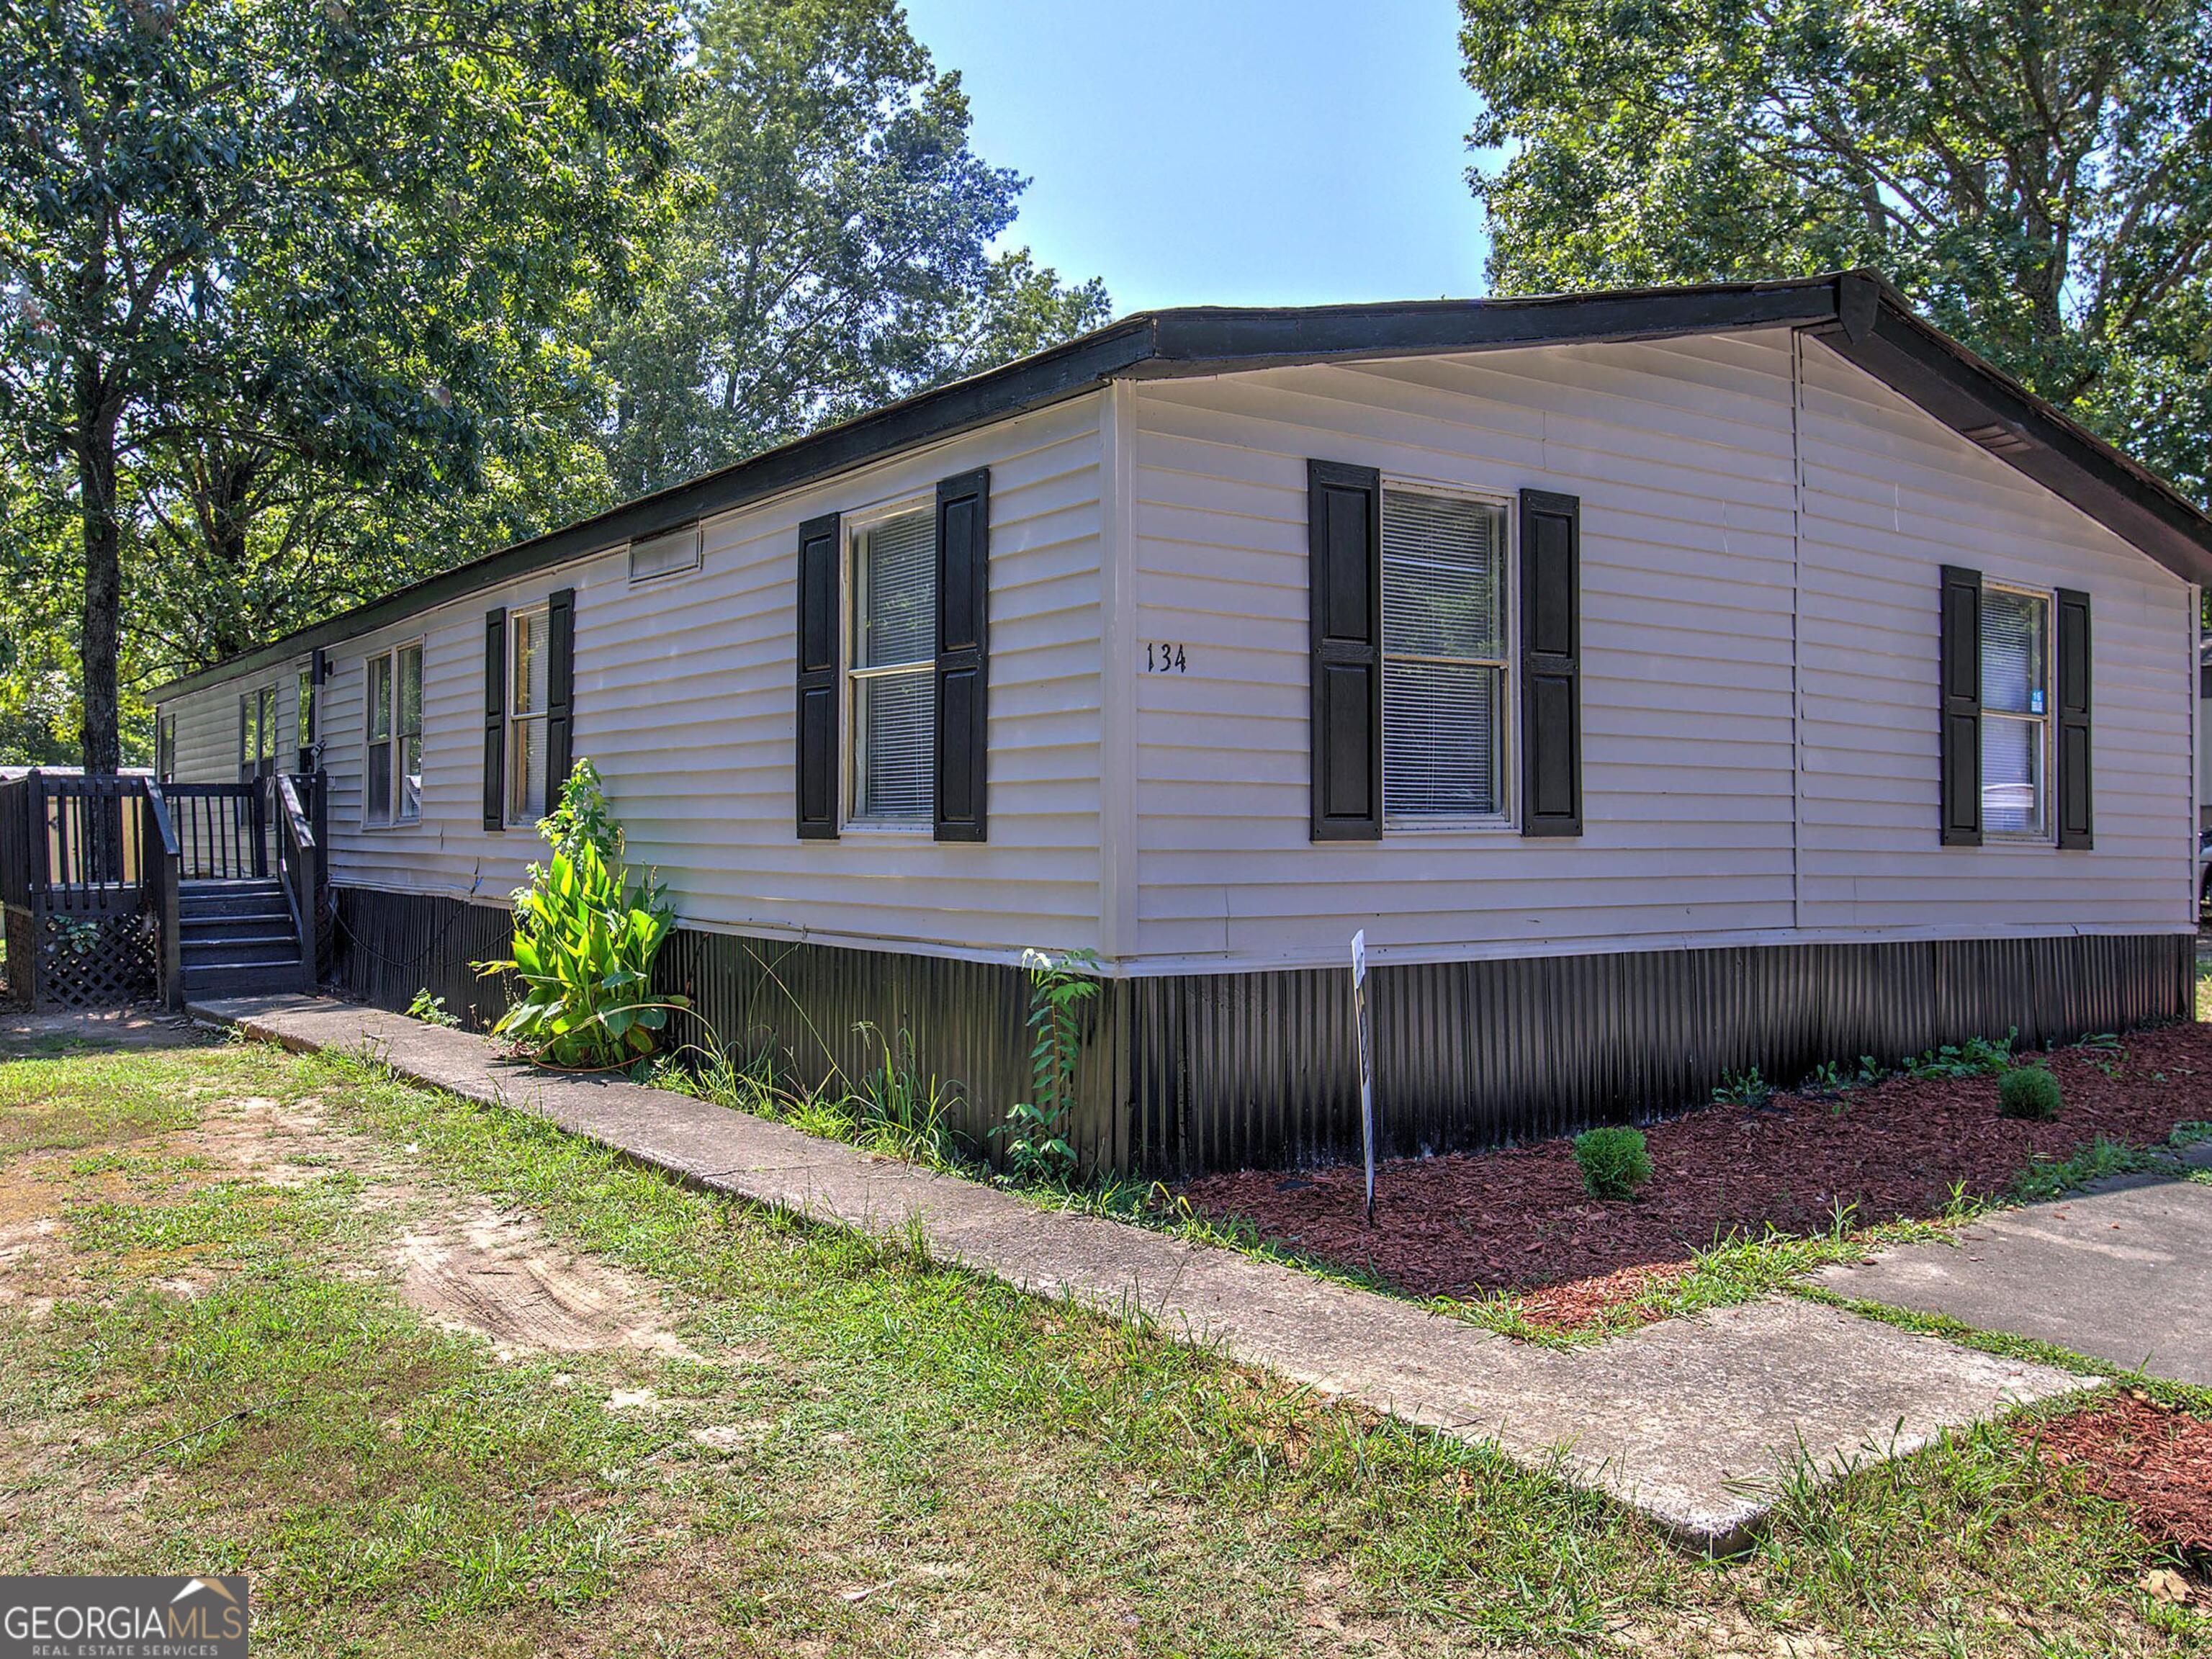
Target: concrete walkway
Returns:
[1693, 1421]
[2123, 1271]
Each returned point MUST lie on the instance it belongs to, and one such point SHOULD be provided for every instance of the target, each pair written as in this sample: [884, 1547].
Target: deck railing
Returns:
[222, 830]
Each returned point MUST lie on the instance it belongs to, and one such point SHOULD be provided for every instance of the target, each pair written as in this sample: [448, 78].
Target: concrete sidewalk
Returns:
[1692, 1421]
[2123, 1271]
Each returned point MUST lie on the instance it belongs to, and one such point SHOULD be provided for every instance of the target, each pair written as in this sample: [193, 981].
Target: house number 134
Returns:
[1164, 657]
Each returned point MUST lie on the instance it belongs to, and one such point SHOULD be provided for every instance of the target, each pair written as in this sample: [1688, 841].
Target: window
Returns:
[256, 734]
[391, 777]
[376, 773]
[1445, 687]
[667, 555]
[528, 668]
[2016, 714]
[303, 712]
[894, 673]
[165, 746]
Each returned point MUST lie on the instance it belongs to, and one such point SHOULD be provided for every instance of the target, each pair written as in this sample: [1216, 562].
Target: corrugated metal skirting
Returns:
[1221, 1070]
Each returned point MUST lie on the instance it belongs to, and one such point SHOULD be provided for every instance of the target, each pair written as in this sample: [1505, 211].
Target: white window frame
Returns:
[2047, 776]
[395, 764]
[256, 734]
[516, 719]
[856, 528]
[1505, 819]
[165, 746]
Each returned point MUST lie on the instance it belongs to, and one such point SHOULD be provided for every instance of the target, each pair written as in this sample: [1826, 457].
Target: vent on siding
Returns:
[2000, 438]
[669, 554]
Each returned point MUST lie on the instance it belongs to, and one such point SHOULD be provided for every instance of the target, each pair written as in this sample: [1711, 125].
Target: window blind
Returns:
[1443, 656]
[898, 588]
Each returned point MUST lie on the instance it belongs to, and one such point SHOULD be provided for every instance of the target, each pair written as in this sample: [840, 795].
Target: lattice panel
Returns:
[97, 962]
[22, 932]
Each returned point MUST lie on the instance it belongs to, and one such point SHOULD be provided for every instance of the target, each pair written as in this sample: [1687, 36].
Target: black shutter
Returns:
[820, 560]
[1344, 606]
[2075, 814]
[1551, 664]
[963, 656]
[560, 691]
[1961, 745]
[494, 772]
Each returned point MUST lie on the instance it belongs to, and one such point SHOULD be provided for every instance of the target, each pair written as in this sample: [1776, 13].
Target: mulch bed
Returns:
[1518, 1220]
[2150, 1457]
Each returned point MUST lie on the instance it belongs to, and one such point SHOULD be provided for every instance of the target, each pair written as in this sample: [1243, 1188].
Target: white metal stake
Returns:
[1366, 1064]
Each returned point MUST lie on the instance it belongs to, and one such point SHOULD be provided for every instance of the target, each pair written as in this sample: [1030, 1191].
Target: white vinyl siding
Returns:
[1718, 810]
[1760, 584]
[683, 701]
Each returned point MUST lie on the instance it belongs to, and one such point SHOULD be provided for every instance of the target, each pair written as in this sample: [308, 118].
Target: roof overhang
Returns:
[1854, 313]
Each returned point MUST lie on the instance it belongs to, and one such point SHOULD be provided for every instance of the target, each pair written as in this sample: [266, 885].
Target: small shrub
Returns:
[431, 1010]
[1614, 1162]
[2028, 1091]
[1743, 1089]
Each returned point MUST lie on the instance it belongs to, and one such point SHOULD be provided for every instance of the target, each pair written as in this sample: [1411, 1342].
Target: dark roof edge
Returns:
[1049, 377]
[1986, 406]
[1854, 314]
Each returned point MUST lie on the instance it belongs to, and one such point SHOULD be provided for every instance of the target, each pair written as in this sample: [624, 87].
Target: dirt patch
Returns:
[106, 1028]
[497, 1275]
[2148, 1456]
[1518, 1220]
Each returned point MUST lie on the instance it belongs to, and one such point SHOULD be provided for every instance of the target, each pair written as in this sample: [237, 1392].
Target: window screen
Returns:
[1443, 657]
[529, 667]
[894, 669]
[376, 769]
[407, 731]
[2015, 713]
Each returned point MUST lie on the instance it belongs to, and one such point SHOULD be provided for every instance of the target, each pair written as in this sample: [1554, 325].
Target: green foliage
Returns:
[270, 272]
[431, 1010]
[1976, 1057]
[2038, 177]
[2029, 1091]
[584, 941]
[1613, 1161]
[1743, 1089]
[1035, 1131]
[834, 250]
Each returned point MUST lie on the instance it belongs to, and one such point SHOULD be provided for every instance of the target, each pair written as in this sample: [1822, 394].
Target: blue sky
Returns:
[1236, 152]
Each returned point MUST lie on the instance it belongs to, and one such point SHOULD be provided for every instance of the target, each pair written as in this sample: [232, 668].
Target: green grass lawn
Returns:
[206, 1363]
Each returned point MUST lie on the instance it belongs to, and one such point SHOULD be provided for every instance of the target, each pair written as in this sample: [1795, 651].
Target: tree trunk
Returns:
[103, 593]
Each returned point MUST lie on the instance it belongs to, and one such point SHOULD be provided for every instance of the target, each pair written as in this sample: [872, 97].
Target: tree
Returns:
[255, 253]
[834, 253]
[2037, 174]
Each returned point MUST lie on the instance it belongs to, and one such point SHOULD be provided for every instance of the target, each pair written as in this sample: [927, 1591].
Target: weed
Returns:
[1975, 1057]
[431, 1010]
[1613, 1161]
[1036, 1130]
[2028, 1091]
[1743, 1089]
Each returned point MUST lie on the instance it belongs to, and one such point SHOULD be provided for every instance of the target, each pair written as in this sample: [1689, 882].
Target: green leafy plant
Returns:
[585, 940]
[2028, 1091]
[1614, 1162]
[1034, 1130]
[1828, 1078]
[431, 1010]
[1743, 1089]
[1976, 1057]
